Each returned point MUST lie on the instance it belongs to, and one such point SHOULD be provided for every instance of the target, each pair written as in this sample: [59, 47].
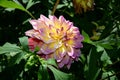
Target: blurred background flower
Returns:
[83, 5]
[56, 38]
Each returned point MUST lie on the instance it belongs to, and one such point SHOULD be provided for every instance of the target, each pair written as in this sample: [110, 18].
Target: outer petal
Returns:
[66, 59]
[69, 63]
[46, 20]
[62, 19]
[33, 33]
[35, 24]
[33, 42]
[43, 18]
[61, 64]
[57, 24]
[76, 53]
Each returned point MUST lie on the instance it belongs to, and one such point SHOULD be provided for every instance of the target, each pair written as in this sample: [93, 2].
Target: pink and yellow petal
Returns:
[70, 50]
[60, 53]
[51, 47]
[33, 33]
[74, 43]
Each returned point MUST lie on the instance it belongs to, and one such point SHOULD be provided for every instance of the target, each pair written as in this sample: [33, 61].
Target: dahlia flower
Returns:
[55, 38]
[83, 5]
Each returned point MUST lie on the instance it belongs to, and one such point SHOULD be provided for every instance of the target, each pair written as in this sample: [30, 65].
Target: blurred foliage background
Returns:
[100, 57]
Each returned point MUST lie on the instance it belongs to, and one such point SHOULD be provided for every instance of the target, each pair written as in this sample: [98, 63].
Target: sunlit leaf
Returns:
[86, 38]
[32, 60]
[11, 4]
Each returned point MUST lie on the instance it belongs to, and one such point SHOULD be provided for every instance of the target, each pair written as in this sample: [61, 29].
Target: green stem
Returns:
[30, 14]
[55, 6]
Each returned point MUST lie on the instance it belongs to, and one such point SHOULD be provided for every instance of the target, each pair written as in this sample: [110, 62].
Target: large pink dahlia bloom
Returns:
[55, 38]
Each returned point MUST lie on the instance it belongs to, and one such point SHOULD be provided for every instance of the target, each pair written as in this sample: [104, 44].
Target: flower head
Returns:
[83, 5]
[56, 38]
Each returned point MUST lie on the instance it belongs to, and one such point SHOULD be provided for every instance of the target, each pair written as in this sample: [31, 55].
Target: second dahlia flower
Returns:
[83, 5]
[55, 38]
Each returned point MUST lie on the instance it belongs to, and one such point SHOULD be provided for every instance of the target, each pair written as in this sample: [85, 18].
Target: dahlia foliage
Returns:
[55, 38]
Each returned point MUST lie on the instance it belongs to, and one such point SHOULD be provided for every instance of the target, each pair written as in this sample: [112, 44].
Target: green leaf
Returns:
[106, 46]
[17, 58]
[52, 62]
[86, 38]
[43, 73]
[103, 44]
[107, 76]
[31, 3]
[105, 58]
[99, 48]
[25, 1]
[93, 69]
[7, 48]
[59, 75]
[12, 4]
[31, 62]
[24, 43]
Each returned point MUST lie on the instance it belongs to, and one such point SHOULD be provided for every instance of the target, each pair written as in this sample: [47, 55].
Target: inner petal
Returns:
[51, 47]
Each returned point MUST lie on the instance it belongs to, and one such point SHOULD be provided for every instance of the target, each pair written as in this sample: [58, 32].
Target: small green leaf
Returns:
[86, 38]
[32, 61]
[52, 62]
[99, 48]
[24, 43]
[7, 48]
[31, 3]
[59, 75]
